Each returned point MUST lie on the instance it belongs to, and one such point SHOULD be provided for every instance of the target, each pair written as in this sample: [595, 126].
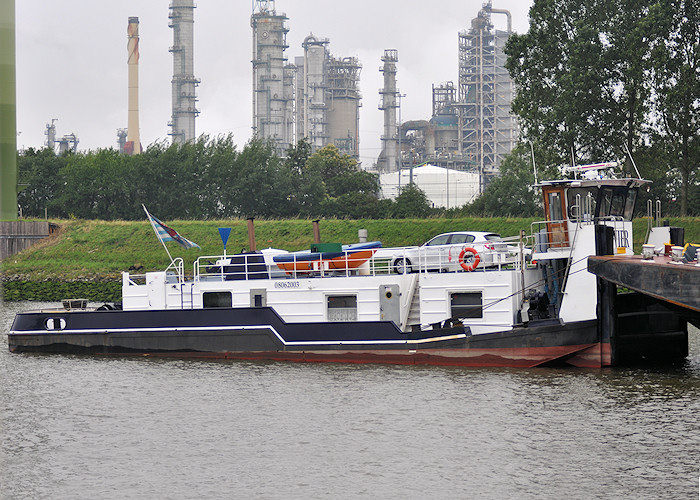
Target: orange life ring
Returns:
[474, 261]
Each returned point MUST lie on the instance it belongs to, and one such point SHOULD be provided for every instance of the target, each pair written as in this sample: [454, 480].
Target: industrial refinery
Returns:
[471, 128]
[317, 97]
[308, 91]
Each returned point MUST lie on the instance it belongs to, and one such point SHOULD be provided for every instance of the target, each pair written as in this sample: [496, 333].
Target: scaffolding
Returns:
[444, 99]
[272, 99]
[184, 83]
[487, 128]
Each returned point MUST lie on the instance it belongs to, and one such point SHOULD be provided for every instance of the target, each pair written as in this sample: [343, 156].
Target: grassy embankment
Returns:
[85, 258]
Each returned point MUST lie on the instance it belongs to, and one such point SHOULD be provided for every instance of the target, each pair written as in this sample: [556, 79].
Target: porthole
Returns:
[55, 323]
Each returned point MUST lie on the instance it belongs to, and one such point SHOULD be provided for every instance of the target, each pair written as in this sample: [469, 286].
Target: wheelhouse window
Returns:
[467, 305]
[582, 202]
[211, 300]
[342, 308]
[617, 201]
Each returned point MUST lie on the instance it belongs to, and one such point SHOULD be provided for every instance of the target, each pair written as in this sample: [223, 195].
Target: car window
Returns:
[439, 240]
[462, 238]
[493, 236]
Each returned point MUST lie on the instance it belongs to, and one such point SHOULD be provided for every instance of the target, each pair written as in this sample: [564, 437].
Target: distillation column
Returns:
[315, 124]
[270, 101]
[343, 104]
[184, 83]
[133, 141]
[389, 158]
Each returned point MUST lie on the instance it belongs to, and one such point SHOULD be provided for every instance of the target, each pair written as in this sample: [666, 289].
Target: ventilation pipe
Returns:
[317, 232]
[251, 235]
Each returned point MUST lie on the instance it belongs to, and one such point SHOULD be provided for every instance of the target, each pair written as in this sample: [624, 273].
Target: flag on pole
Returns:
[166, 233]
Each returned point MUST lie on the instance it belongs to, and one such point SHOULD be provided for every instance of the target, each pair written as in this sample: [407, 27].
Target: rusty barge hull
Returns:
[260, 334]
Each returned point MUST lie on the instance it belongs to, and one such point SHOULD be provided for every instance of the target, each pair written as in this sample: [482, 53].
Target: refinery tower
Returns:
[316, 98]
[472, 127]
[488, 128]
[272, 92]
[184, 83]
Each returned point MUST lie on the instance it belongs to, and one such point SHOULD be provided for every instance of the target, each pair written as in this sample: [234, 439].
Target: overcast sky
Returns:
[72, 61]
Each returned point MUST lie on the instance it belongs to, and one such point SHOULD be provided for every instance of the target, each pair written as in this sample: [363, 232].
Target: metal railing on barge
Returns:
[507, 253]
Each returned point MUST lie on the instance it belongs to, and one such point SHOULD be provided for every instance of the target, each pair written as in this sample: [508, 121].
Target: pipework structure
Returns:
[133, 140]
[389, 157]
[328, 100]
[272, 103]
[184, 83]
[487, 128]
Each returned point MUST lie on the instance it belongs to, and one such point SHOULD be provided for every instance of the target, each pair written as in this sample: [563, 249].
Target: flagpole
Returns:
[150, 219]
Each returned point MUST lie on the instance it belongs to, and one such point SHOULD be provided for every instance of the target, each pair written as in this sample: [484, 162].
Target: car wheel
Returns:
[402, 265]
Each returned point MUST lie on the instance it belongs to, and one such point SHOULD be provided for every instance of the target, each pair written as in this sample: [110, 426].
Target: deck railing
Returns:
[504, 253]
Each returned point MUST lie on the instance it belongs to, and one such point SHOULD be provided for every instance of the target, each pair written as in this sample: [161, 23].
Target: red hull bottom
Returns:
[584, 356]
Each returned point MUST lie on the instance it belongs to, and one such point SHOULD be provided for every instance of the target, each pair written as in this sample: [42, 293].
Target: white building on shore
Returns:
[444, 187]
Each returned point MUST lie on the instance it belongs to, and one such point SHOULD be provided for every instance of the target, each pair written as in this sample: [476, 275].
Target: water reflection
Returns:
[90, 427]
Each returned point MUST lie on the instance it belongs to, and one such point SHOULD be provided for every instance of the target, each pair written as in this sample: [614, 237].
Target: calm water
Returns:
[82, 428]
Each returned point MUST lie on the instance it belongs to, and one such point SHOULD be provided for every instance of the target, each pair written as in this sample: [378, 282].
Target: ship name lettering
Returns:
[287, 284]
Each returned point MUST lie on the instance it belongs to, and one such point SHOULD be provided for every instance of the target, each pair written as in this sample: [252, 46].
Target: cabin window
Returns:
[555, 213]
[467, 305]
[342, 308]
[212, 300]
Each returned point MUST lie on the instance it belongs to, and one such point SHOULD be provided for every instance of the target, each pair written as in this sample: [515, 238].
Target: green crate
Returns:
[326, 247]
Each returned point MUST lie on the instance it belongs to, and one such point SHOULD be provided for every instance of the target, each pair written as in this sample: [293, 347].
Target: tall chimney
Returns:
[133, 141]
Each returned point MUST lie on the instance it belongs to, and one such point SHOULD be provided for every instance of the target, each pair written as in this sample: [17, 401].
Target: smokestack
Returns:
[133, 141]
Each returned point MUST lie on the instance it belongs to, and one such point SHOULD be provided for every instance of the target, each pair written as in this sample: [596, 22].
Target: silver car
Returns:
[442, 253]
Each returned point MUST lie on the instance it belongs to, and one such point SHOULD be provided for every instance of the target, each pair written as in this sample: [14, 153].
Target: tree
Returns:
[39, 183]
[580, 77]
[411, 202]
[512, 193]
[677, 87]
[340, 188]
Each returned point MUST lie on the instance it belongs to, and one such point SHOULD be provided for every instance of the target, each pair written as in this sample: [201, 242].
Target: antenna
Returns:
[632, 160]
[534, 167]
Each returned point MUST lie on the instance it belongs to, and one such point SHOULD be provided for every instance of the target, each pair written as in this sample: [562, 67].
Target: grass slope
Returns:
[100, 250]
